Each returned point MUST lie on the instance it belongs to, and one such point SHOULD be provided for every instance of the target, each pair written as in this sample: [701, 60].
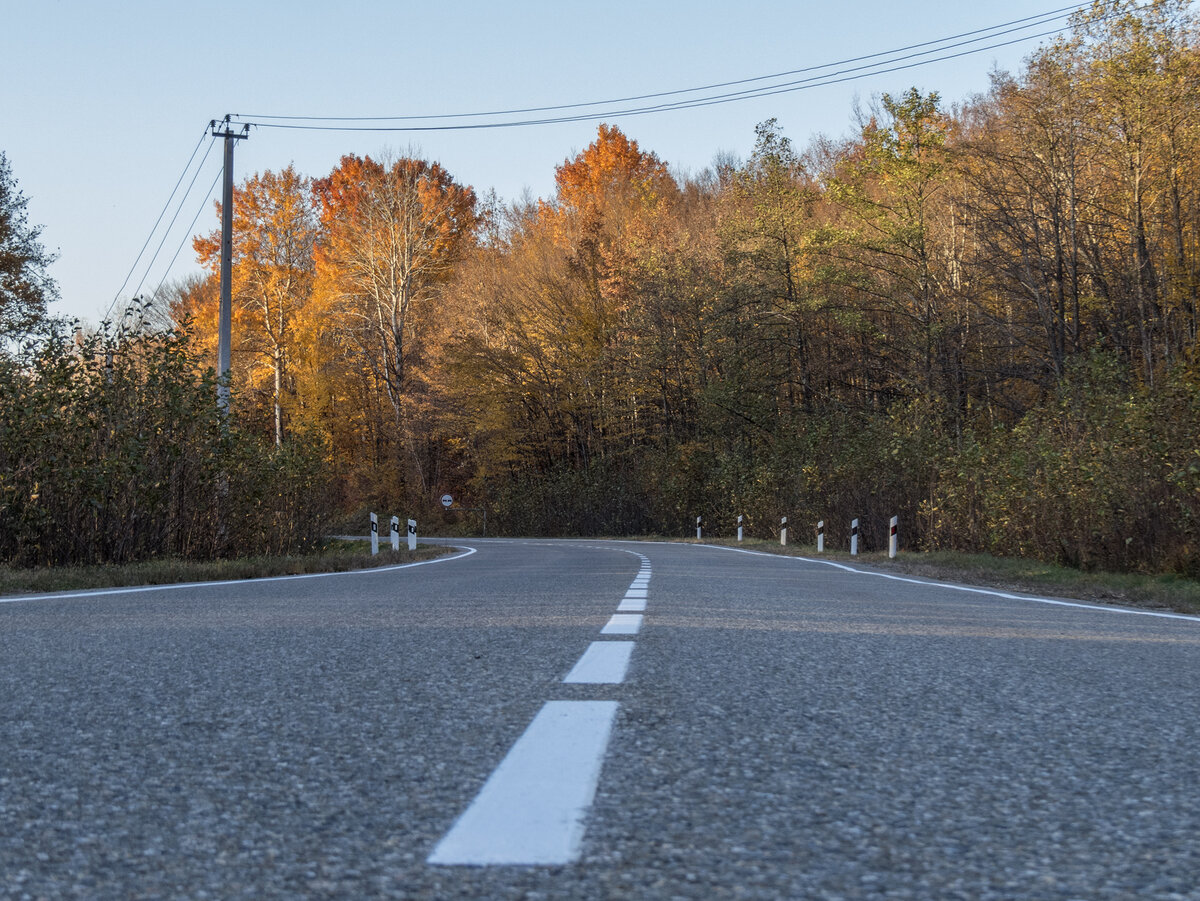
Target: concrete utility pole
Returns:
[225, 316]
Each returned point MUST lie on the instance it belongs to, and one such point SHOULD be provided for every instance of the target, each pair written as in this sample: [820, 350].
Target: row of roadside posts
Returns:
[412, 534]
[893, 534]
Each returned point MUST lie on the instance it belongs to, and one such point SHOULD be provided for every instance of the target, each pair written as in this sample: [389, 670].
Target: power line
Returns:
[838, 77]
[808, 83]
[843, 75]
[190, 229]
[178, 210]
[166, 206]
[988, 33]
[695, 103]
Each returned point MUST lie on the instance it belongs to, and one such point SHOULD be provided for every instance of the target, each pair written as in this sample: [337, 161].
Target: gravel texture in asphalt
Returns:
[785, 730]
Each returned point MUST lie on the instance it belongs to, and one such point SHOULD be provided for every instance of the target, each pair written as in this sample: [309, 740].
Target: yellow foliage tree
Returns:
[274, 233]
[392, 234]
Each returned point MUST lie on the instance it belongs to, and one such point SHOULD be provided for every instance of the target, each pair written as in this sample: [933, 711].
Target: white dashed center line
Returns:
[623, 624]
[531, 810]
[604, 662]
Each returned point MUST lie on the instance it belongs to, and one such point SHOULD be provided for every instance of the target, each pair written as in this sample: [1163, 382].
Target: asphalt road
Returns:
[784, 729]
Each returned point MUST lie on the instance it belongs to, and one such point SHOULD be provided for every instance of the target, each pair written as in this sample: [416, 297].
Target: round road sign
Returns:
[447, 500]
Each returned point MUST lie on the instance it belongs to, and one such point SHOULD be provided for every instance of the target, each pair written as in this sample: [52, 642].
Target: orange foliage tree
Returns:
[611, 171]
[550, 372]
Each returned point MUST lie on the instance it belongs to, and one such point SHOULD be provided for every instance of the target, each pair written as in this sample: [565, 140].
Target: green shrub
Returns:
[112, 449]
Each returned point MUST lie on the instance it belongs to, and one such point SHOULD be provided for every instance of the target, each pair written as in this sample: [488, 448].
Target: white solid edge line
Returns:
[136, 589]
[531, 810]
[603, 663]
[955, 587]
[623, 624]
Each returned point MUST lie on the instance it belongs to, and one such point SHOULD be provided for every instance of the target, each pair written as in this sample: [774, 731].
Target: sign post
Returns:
[412, 534]
[374, 534]
[698, 528]
[821, 537]
[395, 533]
[739, 528]
[853, 537]
[893, 538]
[783, 531]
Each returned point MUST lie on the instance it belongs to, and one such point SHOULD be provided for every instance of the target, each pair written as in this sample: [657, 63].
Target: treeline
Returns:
[982, 319]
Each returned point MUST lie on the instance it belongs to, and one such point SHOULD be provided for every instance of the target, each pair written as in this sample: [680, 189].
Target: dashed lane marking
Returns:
[531, 810]
[623, 624]
[603, 663]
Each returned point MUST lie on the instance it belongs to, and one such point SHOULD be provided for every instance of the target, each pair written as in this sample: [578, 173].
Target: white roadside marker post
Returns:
[783, 531]
[412, 534]
[374, 534]
[698, 528]
[853, 537]
[821, 537]
[395, 533]
[893, 538]
[739, 528]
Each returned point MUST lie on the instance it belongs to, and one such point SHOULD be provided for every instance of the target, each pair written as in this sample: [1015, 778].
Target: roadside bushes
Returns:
[1103, 475]
[112, 450]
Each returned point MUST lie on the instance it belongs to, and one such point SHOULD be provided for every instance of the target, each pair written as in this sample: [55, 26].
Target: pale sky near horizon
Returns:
[102, 102]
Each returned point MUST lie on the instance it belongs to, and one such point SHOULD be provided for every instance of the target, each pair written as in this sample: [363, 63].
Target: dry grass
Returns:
[1165, 591]
[337, 556]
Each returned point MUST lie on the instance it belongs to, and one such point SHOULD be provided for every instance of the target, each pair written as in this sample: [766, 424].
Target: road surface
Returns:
[586, 719]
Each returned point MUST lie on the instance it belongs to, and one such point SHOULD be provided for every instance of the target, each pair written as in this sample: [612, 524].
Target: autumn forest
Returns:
[981, 318]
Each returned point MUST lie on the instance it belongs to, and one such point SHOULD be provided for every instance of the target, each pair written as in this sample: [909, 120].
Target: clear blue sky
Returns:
[102, 101]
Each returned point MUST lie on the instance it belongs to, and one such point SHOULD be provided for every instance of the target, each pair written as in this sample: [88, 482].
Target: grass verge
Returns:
[337, 556]
[1161, 592]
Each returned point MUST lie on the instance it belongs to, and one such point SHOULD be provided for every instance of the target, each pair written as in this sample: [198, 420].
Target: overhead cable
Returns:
[178, 209]
[883, 66]
[166, 206]
[695, 103]
[190, 231]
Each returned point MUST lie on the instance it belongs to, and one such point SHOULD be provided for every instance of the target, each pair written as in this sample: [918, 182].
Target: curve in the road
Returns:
[223, 583]
[990, 592]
